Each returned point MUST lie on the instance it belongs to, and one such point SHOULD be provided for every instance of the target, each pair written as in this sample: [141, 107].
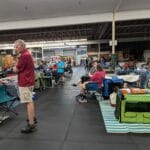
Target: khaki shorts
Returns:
[26, 94]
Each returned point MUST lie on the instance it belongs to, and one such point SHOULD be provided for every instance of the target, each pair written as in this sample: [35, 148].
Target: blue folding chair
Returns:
[6, 101]
[94, 89]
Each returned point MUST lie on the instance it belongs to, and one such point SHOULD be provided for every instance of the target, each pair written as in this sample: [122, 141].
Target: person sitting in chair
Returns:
[97, 77]
[85, 78]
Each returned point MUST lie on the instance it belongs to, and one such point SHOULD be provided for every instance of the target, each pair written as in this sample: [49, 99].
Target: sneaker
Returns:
[82, 100]
[79, 96]
[35, 120]
[74, 84]
[28, 128]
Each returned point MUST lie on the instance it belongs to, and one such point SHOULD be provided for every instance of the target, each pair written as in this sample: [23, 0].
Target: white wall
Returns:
[80, 55]
[69, 52]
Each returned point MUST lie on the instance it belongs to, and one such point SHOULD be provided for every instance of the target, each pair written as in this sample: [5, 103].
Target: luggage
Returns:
[133, 108]
[112, 99]
[119, 98]
[109, 85]
[107, 88]
[125, 91]
[137, 91]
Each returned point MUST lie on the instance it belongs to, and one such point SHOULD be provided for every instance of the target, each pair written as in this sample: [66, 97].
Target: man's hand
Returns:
[15, 69]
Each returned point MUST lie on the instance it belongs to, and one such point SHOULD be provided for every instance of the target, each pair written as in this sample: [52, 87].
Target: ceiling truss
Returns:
[139, 29]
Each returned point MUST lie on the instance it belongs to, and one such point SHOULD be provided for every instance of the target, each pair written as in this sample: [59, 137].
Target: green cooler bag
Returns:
[135, 108]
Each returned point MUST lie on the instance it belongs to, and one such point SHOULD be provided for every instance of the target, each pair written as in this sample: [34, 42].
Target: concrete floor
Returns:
[64, 124]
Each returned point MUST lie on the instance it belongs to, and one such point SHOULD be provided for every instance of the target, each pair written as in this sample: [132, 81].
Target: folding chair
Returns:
[6, 101]
[94, 89]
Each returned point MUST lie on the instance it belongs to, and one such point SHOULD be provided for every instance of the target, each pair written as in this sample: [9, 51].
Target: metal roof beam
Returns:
[104, 28]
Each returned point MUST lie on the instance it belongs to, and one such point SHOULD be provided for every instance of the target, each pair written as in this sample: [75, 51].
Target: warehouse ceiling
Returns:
[136, 30]
[27, 10]
[14, 10]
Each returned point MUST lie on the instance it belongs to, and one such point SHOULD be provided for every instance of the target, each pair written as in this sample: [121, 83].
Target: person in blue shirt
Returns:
[61, 69]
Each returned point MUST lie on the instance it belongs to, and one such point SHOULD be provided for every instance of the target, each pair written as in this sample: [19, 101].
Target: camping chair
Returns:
[6, 101]
[93, 89]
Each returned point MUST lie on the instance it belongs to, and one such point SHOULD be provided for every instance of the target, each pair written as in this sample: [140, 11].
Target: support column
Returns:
[113, 56]
[99, 49]
[113, 34]
[42, 54]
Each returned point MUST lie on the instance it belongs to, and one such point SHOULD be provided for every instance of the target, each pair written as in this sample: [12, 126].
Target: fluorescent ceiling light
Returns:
[51, 47]
[42, 44]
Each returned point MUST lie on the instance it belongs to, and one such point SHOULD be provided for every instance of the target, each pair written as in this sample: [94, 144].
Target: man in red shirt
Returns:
[26, 81]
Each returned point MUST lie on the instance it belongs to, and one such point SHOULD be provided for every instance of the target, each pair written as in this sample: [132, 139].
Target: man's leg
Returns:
[63, 78]
[26, 98]
[31, 112]
[82, 98]
[30, 127]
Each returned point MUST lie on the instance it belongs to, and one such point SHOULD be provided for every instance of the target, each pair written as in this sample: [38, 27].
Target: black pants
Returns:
[85, 79]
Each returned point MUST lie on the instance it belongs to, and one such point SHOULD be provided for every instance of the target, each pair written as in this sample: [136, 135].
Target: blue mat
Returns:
[112, 125]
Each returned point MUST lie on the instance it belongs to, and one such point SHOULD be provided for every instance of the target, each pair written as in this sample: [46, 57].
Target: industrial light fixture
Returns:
[62, 43]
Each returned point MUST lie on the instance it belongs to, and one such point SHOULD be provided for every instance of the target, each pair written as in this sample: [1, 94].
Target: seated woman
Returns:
[97, 77]
[86, 78]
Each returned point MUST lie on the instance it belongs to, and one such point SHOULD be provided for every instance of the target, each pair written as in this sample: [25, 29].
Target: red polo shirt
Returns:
[25, 68]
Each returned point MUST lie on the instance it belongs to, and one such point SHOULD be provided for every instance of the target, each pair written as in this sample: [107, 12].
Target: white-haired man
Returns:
[26, 81]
